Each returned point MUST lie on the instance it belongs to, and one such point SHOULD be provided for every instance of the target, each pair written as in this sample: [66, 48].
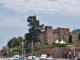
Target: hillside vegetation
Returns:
[76, 31]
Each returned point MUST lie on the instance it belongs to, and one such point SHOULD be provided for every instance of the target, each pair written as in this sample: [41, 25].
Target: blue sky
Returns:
[55, 13]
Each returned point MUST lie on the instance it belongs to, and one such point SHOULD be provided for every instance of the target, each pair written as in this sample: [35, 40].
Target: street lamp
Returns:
[0, 50]
[0, 39]
[32, 47]
[22, 47]
[74, 51]
[12, 48]
[63, 35]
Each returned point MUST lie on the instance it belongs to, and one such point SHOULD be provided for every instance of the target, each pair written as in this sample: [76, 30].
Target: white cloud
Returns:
[68, 7]
[12, 21]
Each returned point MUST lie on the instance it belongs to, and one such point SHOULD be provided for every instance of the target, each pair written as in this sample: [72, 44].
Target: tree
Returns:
[79, 36]
[16, 42]
[70, 38]
[34, 29]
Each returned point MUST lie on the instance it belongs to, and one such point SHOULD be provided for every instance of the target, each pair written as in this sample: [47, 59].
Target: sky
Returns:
[55, 13]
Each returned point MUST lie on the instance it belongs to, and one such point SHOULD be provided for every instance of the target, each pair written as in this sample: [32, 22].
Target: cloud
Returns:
[67, 7]
[10, 21]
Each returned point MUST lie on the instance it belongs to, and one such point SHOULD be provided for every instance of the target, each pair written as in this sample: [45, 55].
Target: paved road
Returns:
[2, 59]
[61, 59]
[65, 59]
[55, 59]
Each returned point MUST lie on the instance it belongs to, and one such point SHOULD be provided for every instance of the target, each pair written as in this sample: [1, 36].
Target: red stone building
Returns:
[49, 35]
[4, 51]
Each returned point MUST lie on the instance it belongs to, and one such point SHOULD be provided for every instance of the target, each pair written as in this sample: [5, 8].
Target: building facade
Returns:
[4, 52]
[49, 35]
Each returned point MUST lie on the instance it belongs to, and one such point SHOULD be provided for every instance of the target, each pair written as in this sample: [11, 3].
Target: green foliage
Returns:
[53, 43]
[70, 43]
[16, 42]
[79, 36]
[70, 38]
[18, 50]
[28, 50]
[34, 29]
[62, 45]
[52, 46]
[37, 49]
[73, 43]
[46, 43]
[76, 31]
[58, 44]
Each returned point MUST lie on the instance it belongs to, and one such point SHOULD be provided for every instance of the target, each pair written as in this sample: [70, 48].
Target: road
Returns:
[2, 59]
[62, 59]
[55, 59]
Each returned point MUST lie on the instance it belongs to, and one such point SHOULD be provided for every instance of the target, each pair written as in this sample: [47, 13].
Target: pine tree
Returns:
[70, 38]
[79, 36]
[34, 29]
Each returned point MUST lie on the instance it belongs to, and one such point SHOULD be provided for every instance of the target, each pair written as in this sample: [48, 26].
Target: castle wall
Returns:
[74, 36]
[41, 36]
[4, 50]
[48, 34]
[61, 33]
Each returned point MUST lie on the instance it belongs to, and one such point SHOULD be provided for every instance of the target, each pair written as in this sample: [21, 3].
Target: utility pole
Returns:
[32, 47]
[0, 50]
[22, 47]
[0, 39]
[59, 33]
[12, 49]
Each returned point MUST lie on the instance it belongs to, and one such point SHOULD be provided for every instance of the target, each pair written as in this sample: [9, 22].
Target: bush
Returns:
[60, 45]
[70, 38]
[18, 50]
[70, 43]
[52, 46]
[46, 43]
[53, 43]
[28, 50]
[37, 49]
[73, 43]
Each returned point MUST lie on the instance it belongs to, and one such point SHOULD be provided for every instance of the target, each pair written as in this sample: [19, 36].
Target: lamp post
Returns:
[12, 48]
[63, 35]
[74, 51]
[32, 47]
[0, 50]
[22, 47]
[0, 39]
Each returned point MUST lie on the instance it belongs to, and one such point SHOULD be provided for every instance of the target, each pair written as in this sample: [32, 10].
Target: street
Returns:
[54, 59]
[62, 59]
[2, 59]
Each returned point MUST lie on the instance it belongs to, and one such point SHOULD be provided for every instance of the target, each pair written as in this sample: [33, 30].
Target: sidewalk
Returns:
[61, 59]
[2, 59]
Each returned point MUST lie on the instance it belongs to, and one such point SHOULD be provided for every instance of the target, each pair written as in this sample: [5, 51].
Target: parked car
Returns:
[32, 58]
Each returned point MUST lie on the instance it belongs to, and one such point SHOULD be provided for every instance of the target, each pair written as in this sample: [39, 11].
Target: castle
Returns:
[49, 35]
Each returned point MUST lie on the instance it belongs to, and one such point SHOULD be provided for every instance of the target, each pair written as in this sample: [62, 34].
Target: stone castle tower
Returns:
[48, 34]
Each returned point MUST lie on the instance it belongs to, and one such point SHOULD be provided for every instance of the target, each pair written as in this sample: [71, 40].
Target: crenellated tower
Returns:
[48, 34]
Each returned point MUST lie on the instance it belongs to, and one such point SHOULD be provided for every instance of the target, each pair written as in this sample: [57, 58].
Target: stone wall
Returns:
[4, 51]
[49, 35]
[55, 52]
